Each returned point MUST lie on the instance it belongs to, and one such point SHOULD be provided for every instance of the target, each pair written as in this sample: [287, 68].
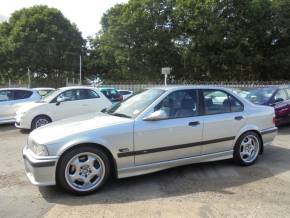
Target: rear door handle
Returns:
[239, 118]
[195, 123]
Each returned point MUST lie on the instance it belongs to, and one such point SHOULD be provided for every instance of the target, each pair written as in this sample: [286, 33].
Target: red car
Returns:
[277, 97]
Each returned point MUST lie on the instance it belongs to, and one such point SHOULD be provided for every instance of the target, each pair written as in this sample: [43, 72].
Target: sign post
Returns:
[165, 71]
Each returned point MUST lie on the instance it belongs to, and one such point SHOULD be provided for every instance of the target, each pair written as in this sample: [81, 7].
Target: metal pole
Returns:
[80, 70]
[165, 79]
[29, 79]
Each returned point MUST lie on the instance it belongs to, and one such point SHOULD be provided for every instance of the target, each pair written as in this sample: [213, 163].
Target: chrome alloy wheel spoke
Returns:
[85, 171]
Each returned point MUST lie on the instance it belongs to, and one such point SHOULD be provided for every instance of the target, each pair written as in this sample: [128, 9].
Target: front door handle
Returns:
[239, 117]
[194, 123]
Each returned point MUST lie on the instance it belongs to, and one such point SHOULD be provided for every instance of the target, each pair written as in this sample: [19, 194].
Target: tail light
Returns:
[274, 120]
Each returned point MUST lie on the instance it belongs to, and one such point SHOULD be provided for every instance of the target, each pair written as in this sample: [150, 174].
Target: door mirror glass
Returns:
[62, 99]
[157, 115]
[279, 100]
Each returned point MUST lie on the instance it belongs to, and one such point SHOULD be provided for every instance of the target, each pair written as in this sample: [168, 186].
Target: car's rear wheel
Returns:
[40, 121]
[247, 148]
[83, 170]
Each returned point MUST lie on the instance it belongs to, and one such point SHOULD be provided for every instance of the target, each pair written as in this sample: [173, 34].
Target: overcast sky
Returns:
[86, 14]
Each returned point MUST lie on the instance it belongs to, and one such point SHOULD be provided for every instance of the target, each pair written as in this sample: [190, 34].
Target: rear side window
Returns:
[22, 94]
[6, 95]
[218, 102]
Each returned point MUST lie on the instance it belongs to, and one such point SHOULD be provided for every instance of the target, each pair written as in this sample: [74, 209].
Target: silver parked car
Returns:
[154, 130]
[11, 99]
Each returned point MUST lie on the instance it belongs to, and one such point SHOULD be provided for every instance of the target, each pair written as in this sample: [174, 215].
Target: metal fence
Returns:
[140, 86]
[135, 86]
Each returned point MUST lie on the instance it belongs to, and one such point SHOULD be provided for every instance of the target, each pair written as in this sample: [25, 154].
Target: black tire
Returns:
[238, 147]
[64, 160]
[36, 119]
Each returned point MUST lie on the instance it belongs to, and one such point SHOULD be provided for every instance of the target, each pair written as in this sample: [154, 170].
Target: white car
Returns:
[62, 103]
[43, 91]
[11, 99]
[125, 93]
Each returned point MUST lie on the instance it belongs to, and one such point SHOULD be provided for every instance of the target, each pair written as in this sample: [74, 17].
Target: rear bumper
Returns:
[40, 172]
[268, 135]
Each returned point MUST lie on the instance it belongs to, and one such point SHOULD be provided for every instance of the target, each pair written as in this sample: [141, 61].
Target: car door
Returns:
[91, 101]
[68, 107]
[20, 97]
[6, 101]
[179, 136]
[223, 119]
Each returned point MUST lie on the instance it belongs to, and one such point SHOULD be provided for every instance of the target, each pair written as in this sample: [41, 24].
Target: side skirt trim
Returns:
[174, 147]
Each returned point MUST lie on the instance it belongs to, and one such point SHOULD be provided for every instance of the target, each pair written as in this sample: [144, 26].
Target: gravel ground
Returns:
[218, 189]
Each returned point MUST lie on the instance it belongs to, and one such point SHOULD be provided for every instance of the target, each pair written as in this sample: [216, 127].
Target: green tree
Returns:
[43, 40]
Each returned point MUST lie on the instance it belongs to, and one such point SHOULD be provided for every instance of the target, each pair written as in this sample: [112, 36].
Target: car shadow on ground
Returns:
[284, 130]
[10, 127]
[180, 181]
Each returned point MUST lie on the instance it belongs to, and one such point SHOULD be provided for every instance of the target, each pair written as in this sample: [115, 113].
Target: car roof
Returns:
[179, 87]
[103, 88]
[21, 89]
[43, 88]
[77, 87]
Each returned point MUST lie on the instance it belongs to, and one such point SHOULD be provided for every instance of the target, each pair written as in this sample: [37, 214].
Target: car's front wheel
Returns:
[83, 170]
[247, 148]
[40, 121]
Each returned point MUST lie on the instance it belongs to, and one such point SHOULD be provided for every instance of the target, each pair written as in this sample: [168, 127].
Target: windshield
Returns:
[133, 106]
[260, 96]
[51, 95]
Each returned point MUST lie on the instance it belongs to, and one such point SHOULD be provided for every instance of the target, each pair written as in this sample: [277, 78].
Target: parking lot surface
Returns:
[217, 189]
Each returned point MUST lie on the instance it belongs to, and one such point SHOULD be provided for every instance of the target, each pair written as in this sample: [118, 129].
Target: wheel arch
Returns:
[255, 131]
[102, 147]
[40, 115]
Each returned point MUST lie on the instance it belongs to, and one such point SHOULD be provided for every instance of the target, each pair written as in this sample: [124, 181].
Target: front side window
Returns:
[280, 96]
[288, 92]
[69, 95]
[179, 104]
[133, 106]
[260, 95]
[6, 95]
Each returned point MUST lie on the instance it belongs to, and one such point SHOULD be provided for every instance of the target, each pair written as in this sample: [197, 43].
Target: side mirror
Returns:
[278, 100]
[157, 115]
[61, 99]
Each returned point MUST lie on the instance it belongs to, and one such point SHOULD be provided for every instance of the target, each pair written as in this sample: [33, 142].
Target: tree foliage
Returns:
[42, 40]
[200, 39]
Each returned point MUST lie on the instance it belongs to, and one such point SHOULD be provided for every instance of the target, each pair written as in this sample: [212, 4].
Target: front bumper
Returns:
[21, 122]
[40, 171]
[268, 135]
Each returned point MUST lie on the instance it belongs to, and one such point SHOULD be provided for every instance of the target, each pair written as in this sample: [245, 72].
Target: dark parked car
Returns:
[277, 97]
[112, 94]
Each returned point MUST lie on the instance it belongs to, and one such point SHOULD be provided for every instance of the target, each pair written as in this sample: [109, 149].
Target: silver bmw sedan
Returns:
[155, 129]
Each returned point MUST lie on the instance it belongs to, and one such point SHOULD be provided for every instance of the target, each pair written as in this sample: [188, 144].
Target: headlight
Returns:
[37, 149]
